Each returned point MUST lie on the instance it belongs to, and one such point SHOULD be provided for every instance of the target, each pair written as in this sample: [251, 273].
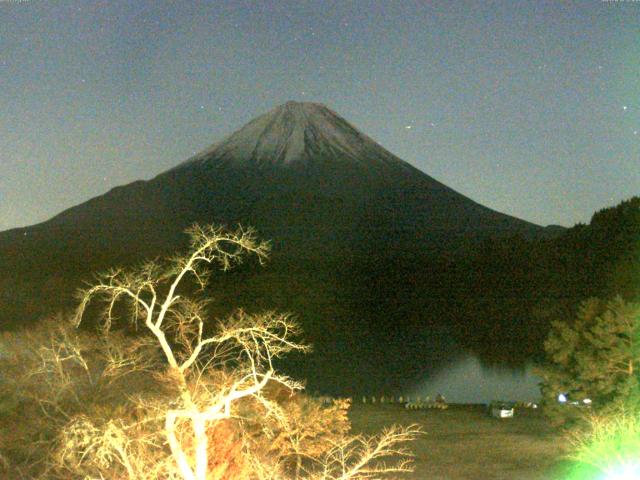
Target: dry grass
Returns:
[463, 442]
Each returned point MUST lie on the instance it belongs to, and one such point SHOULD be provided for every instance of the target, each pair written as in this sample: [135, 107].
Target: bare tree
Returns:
[211, 374]
[360, 458]
[248, 342]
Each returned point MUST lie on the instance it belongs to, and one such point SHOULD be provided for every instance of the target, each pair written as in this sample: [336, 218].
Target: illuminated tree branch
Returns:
[251, 342]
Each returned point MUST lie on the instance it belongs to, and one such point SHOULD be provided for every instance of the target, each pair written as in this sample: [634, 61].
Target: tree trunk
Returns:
[200, 435]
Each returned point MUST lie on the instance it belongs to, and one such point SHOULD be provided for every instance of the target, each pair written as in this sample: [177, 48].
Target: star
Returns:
[624, 107]
[201, 107]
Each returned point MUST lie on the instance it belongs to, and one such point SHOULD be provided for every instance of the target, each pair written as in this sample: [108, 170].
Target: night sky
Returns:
[530, 108]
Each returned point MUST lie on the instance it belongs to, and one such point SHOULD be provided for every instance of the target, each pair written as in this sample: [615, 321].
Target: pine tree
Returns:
[596, 357]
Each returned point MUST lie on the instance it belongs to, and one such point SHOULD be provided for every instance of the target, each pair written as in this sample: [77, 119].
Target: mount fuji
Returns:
[335, 204]
[301, 174]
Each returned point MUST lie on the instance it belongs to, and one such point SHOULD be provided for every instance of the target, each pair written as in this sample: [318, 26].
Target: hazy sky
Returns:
[530, 108]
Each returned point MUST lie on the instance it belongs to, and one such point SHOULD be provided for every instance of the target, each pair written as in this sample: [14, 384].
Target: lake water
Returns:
[411, 365]
[466, 380]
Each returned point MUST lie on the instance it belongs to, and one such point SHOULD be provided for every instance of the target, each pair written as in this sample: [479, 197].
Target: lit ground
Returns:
[463, 442]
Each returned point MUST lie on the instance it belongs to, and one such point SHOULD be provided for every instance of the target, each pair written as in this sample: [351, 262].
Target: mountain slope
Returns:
[304, 177]
[362, 240]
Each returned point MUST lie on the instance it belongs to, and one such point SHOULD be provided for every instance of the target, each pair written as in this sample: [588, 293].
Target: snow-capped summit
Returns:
[297, 132]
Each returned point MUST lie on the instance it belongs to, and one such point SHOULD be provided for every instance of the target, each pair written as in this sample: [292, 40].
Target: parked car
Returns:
[501, 409]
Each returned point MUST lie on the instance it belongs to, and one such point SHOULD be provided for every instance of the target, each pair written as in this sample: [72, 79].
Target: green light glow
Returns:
[629, 470]
[610, 451]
